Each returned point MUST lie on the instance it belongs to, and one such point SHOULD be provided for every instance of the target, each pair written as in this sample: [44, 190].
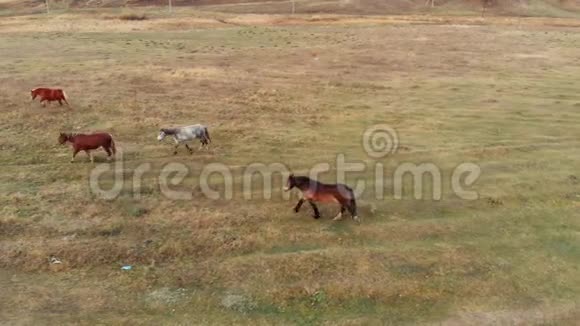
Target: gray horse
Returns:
[182, 135]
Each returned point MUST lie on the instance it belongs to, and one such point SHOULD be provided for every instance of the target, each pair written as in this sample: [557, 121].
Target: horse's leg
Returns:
[352, 210]
[60, 102]
[109, 152]
[315, 209]
[189, 149]
[298, 205]
[90, 155]
[43, 102]
[176, 140]
[338, 216]
[75, 151]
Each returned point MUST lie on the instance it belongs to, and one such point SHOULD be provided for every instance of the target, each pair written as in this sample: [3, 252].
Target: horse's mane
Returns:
[169, 131]
[304, 181]
[71, 135]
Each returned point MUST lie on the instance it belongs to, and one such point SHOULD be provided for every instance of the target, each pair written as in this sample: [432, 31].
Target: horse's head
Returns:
[62, 138]
[33, 93]
[162, 134]
[290, 183]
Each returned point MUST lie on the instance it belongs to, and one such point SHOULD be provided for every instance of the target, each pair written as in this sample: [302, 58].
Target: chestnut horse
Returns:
[314, 191]
[82, 142]
[48, 94]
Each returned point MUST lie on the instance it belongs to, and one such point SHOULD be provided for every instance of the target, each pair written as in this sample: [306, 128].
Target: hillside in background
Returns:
[548, 8]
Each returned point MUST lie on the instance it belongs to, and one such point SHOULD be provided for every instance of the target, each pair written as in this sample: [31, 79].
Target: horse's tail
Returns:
[113, 148]
[207, 134]
[352, 205]
[65, 97]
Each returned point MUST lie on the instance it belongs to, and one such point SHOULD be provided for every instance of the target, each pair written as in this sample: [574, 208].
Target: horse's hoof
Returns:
[356, 219]
[337, 217]
[316, 216]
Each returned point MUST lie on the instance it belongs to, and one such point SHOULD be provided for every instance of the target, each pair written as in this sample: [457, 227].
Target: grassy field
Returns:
[501, 93]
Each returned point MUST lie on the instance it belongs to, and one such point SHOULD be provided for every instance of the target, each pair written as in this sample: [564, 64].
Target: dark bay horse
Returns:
[314, 191]
[49, 94]
[82, 142]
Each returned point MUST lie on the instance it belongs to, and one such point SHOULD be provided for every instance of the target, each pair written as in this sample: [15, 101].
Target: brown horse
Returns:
[49, 94]
[82, 142]
[314, 191]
